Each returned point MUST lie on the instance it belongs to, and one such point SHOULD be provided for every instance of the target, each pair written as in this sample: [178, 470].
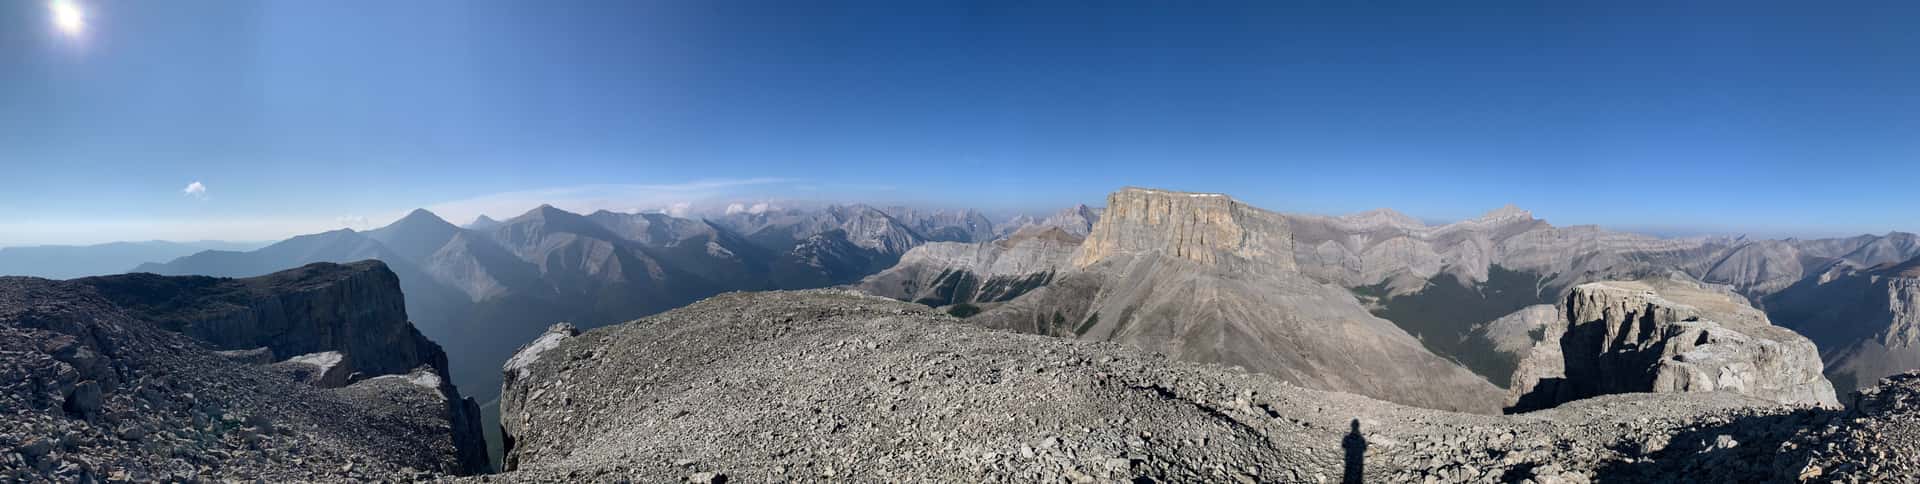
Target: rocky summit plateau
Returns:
[1166, 336]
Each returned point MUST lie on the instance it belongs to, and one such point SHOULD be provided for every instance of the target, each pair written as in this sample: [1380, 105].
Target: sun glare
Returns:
[67, 16]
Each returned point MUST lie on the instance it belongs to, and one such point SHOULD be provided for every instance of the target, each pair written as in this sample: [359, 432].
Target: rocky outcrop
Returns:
[945, 273]
[1670, 335]
[519, 386]
[1511, 338]
[1205, 278]
[825, 385]
[354, 309]
[336, 323]
[91, 393]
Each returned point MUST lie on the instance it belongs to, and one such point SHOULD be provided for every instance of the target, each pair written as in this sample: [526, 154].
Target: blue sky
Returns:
[1761, 117]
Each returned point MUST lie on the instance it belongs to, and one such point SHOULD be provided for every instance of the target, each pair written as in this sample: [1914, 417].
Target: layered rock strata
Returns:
[1668, 335]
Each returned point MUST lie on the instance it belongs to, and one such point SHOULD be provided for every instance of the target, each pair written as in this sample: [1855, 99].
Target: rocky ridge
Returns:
[839, 386]
[946, 273]
[89, 392]
[354, 311]
[1077, 220]
[1865, 320]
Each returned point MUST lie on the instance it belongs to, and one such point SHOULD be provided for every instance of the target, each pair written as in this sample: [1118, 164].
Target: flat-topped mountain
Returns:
[1445, 284]
[1203, 277]
[1209, 228]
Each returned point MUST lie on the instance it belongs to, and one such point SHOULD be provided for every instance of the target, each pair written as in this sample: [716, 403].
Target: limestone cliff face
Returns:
[1205, 278]
[1670, 335]
[354, 309]
[1208, 228]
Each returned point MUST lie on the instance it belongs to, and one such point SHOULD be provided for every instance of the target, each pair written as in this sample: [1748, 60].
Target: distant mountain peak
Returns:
[421, 216]
[546, 211]
[483, 222]
[1509, 211]
[1384, 216]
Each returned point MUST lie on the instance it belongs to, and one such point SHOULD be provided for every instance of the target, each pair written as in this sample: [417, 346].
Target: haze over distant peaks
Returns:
[482, 222]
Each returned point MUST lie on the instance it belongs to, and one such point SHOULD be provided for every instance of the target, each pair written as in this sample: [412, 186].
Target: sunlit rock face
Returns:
[1668, 335]
[1203, 277]
[1208, 228]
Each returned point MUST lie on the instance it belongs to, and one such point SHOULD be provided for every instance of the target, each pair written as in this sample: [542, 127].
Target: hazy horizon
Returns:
[264, 120]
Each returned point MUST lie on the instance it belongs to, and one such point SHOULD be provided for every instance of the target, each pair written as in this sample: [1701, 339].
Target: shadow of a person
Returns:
[1356, 445]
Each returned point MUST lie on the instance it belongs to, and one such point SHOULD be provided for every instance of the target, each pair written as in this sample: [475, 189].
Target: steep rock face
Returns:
[1205, 278]
[943, 273]
[1866, 321]
[1674, 335]
[825, 385]
[330, 322]
[89, 392]
[353, 309]
[1208, 228]
[1511, 338]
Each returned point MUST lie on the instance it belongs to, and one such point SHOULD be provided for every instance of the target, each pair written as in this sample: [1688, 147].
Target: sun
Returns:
[67, 16]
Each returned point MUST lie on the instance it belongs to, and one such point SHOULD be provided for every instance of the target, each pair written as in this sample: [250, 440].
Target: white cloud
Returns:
[356, 222]
[195, 190]
[679, 209]
[756, 208]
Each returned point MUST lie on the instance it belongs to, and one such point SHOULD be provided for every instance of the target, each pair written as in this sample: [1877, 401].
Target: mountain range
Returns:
[1208, 278]
[70, 261]
[1289, 325]
[483, 289]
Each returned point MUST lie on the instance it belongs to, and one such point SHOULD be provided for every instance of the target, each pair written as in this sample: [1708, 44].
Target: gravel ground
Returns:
[834, 386]
[828, 385]
[89, 393]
